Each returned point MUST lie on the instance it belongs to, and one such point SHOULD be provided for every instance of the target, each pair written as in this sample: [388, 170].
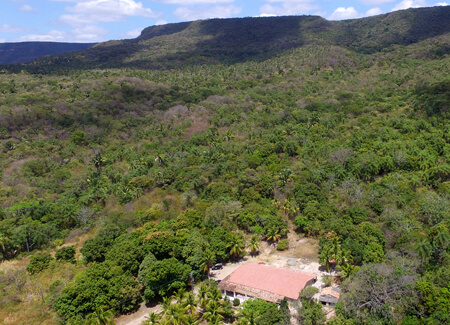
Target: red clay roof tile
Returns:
[280, 281]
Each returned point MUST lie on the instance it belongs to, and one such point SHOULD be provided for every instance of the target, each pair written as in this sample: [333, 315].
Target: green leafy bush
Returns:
[79, 137]
[283, 244]
[66, 253]
[39, 262]
[125, 254]
[164, 277]
[101, 285]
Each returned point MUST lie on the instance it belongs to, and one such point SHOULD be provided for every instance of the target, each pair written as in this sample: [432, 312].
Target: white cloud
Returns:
[88, 12]
[132, 33]
[75, 20]
[52, 36]
[194, 13]
[405, 4]
[5, 28]
[288, 1]
[344, 13]
[26, 8]
[90, 33]
[288, 7]
[376, 2]
[85, 34]
[112, 9]
[160, 22]
[194, 2]
[373, 12]
[441, 4]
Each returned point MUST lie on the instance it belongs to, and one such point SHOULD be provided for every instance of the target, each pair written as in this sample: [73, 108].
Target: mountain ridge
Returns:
[240, 39]
[23, 52]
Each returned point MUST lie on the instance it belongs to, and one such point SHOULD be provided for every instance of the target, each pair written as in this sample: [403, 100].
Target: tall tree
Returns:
[237, 245]
[424, 249]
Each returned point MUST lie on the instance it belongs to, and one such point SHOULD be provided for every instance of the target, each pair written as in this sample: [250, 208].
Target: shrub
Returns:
[57, 242]
[327, 280]
[36, 168]
[358, 214]
[79, 137]
[283, 244]
[39, 262]
[66, 253]
[236, 302]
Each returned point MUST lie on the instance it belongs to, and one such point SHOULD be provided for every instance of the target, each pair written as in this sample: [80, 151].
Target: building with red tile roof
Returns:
[330, 296]
[265, 282]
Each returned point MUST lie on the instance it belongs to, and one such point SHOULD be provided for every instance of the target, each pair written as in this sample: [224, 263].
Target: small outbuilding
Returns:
[329, 296]
[265, 282]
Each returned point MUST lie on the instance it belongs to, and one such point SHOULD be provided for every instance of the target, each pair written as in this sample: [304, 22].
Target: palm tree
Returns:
[440, 242]
[228, 135]
[190, 320]
[284, 176]
[424, 249]
[213, 312]
[276, 203]
[179, 295]
[336, 250]
[215, 320]
[286, 207]
[415, 181]
[215, 294]
[254, 245]
[167, 301]
[202, 294]
[209, 258]
[174, 314]
[273, 234]
[237, 245]
[98, 161]
[152, 319]
[190, 303]
[442, 238]
[333, 250]
[100, 317]
[325, 256]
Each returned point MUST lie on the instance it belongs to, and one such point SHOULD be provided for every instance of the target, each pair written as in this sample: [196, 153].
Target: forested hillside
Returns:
[157, 157]
[22, 52]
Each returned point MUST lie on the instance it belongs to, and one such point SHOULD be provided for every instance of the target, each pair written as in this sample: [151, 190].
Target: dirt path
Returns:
[138, 317]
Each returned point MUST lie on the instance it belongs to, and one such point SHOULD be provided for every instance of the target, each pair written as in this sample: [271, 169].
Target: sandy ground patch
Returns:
[138, 317]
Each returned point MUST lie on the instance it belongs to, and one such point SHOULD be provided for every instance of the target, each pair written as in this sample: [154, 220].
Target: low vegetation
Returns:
[120, 184]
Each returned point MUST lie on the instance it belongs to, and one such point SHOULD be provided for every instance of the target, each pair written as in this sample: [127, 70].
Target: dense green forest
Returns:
[187, 146]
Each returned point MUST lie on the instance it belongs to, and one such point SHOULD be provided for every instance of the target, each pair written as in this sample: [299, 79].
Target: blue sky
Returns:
[102, 20]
